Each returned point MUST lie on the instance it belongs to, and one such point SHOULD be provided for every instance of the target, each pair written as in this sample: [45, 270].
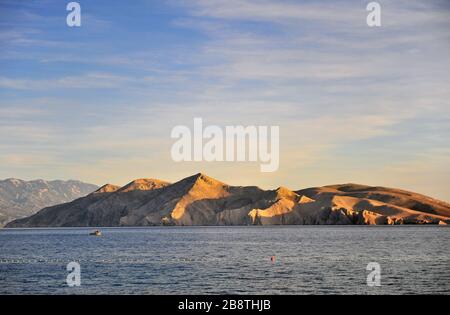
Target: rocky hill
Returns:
[202, 200]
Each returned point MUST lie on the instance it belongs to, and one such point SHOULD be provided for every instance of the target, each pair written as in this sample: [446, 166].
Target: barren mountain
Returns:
[19, 198]
[202, 200]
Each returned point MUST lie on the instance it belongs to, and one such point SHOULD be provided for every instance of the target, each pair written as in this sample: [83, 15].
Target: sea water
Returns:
[227, 260]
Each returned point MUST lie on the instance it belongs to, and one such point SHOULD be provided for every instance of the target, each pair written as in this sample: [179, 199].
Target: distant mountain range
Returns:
[19, 198]
[202, 200]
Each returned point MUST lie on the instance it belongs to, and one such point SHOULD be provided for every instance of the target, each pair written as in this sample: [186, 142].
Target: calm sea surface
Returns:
[227, 260]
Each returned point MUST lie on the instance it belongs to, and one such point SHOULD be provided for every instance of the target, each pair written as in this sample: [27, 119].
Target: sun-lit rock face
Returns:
[143, 184]
[108, 188]
[202, 200]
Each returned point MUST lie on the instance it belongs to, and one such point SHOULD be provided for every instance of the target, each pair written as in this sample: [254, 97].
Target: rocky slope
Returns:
[19, 198]
[202, 200]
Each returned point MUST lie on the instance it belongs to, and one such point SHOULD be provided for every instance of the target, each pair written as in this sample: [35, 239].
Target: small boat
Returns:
[96, 233]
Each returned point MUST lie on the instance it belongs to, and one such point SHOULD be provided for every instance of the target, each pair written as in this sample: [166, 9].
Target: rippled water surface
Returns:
[227, 260]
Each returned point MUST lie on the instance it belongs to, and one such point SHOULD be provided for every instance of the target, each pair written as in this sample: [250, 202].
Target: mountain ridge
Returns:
[20, 198]
[203, 200]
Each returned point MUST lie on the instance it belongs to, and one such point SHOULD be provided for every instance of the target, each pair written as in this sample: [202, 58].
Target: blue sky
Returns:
[354, 103]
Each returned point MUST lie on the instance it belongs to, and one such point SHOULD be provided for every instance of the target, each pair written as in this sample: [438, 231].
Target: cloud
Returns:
[275, 11]
[337, 12]
[84, 81]
[348, 98]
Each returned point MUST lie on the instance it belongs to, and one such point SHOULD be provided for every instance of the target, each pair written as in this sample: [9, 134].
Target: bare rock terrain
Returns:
[202, 200]
[19, 198]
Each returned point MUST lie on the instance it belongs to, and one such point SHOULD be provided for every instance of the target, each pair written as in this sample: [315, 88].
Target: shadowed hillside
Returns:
[19, 198]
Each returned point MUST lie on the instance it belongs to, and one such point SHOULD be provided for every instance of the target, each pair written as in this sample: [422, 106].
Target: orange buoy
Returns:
[272, 259]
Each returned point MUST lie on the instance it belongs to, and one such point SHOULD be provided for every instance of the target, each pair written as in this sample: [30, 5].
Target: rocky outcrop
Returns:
[391, 196]
[19, 198]
[202, 200]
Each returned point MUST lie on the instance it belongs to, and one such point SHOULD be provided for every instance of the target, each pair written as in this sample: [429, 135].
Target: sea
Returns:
[227, 260]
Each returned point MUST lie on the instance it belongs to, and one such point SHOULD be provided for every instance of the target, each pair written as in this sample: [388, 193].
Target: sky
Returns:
[97, 103]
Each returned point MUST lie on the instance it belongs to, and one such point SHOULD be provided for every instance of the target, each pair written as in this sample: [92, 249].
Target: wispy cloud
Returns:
[85, 81]
[348, 98]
